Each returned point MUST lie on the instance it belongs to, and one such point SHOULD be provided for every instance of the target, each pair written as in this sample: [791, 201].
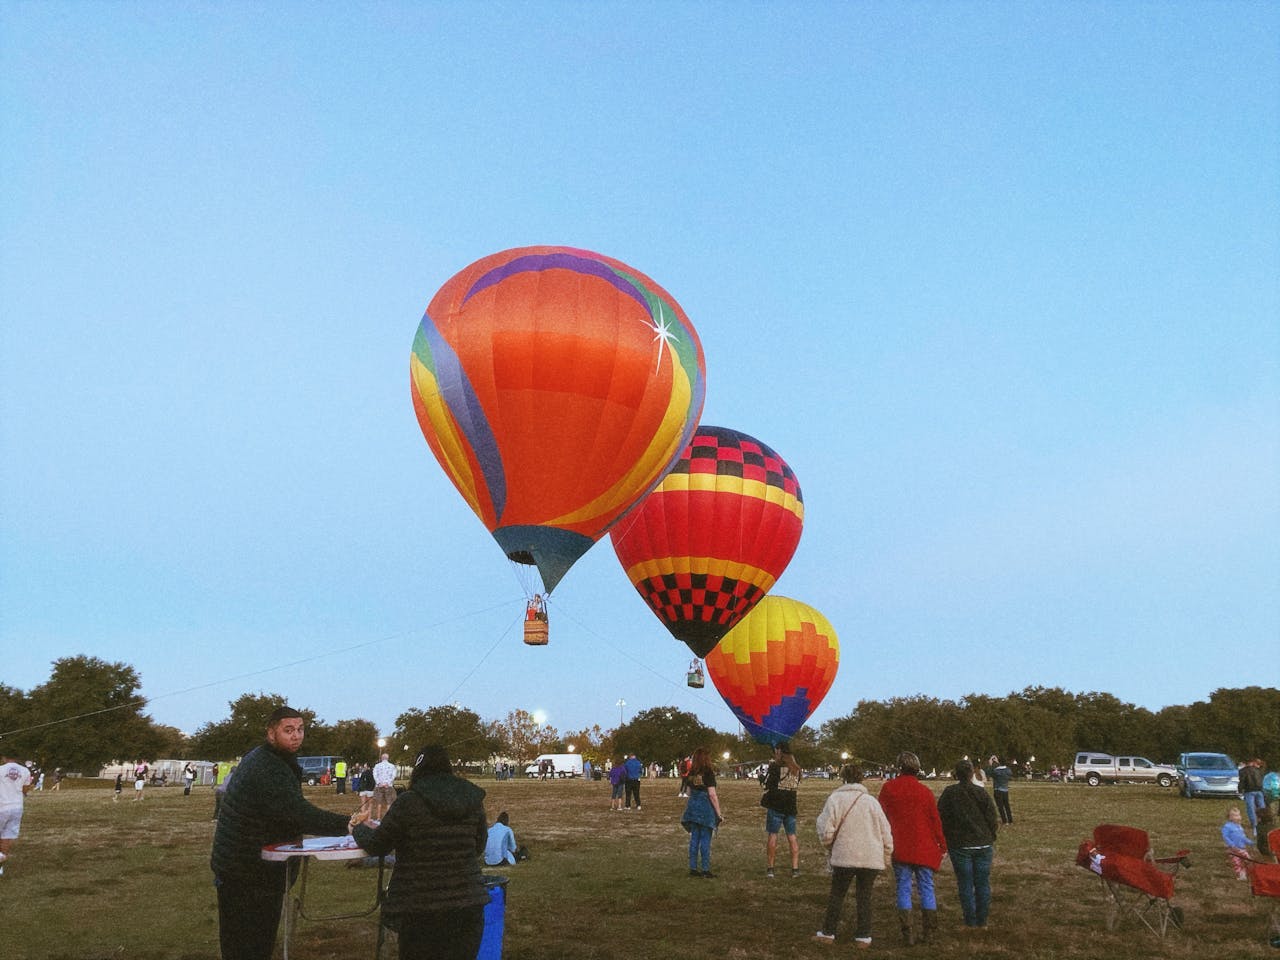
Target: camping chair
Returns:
[1136, 882]
[1264, 881]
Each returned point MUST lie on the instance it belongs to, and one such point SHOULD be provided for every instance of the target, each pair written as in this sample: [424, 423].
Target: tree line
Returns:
[89, 713]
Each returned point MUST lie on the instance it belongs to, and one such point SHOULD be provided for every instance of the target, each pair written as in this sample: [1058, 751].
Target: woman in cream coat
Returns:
[854, 828]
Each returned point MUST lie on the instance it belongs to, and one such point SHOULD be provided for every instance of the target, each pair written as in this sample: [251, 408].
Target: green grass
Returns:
[91, 879]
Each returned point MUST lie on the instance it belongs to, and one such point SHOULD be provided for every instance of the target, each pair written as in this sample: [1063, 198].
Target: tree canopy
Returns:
[90, 713]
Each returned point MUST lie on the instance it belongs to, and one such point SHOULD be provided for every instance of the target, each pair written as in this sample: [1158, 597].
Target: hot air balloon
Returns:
[712, 538]
[556, 387]
[774, 668]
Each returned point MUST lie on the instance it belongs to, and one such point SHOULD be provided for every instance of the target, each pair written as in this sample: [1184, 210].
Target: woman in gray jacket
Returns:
[854, 828]
[437, 829]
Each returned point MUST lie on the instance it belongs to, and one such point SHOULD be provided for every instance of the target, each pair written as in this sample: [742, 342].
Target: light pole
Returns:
[620, 704]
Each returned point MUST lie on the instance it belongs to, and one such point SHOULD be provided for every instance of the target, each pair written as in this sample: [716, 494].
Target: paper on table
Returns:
[328, 843]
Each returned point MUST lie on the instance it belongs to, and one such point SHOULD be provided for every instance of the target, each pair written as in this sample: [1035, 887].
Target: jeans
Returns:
[1254, 800]
[841, 877]
[904, 873]
[632, 790]
[699, 846]
[973, 878]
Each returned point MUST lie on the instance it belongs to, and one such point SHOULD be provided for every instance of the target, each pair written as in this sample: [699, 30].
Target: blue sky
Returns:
[998, 280]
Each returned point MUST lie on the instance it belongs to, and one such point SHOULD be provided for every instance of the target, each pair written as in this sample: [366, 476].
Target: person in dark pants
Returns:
[969, 825]
[437, 829]
[263, 804]
[634, 771]
[856, 832]
[1001, 776]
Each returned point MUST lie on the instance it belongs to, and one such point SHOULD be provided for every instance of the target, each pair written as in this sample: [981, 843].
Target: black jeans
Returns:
[441, 934]
[1002, 804]
[841, 877]
[248, 915]
[632, 789]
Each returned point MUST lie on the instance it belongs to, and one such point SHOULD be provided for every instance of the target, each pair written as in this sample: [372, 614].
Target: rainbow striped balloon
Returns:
[775, 666]
[556, 387]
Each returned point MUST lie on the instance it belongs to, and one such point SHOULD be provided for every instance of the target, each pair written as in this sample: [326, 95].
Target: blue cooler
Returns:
[495, 916]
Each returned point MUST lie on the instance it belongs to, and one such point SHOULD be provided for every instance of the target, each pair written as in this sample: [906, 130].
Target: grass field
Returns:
[91, 879]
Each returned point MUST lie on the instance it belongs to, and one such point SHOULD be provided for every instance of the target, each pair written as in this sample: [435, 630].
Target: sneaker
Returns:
[827, 938]
[795, 872]
[769, 873]
[638, 808]
[708, 875]
[694, 873]
[862, 943]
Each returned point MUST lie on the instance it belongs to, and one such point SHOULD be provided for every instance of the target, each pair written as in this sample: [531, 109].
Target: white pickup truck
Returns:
[1096, 768]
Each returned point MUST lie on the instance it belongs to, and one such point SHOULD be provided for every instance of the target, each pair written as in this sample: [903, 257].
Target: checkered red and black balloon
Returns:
[710, 541]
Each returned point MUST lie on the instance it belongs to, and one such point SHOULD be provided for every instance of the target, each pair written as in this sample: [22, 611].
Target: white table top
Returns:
[319, 848]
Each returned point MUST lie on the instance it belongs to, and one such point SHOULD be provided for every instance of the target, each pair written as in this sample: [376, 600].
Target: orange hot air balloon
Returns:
[712, 538]
[556, 387]
[774, 668]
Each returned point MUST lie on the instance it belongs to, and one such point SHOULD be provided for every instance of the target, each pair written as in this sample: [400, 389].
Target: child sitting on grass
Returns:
[1237, 843]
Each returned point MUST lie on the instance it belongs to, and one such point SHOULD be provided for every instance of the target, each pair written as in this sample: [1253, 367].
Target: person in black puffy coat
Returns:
[263, 805]
[438, 830]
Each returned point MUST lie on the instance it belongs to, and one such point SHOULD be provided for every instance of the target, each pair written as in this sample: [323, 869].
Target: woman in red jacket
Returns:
[918, 843]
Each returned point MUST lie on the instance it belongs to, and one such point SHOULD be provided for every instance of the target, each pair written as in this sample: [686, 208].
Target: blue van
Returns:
[1208, 775]
[314, 767]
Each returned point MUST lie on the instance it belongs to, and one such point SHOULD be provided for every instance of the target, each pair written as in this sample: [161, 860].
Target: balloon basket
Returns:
[694, 678]
[536, 633]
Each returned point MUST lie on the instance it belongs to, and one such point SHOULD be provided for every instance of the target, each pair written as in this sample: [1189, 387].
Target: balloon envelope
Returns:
[774, 668]
[712, 538]
[556, 387]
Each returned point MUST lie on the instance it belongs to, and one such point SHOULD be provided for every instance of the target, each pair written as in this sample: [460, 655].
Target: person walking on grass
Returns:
[781, 782]
[969, 824]
[15, 784]
[617, 784]
[856, 832]
[1001, 777]
[701, 813]
[918, 844]
[1237, 844]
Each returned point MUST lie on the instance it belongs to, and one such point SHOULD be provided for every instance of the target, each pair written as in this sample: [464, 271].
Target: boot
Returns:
[904, 922]
[929, 926]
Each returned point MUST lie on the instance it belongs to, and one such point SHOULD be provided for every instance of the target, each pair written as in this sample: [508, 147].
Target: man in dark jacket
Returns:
[969, 825]
[263, 805]
[437, 829]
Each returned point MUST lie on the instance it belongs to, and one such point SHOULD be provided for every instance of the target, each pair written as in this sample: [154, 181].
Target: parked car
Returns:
[314, 768]
[1208, 774]
[1096, 768]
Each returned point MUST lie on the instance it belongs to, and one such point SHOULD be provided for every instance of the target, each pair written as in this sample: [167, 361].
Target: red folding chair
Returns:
[1264, 881]
[1137, 883]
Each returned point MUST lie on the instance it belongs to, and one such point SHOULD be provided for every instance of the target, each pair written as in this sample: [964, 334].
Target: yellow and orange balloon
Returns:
[556, 387]
[774, 668]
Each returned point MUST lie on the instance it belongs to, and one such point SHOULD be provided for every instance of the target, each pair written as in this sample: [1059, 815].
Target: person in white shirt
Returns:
[15, 782]
[384, 786]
